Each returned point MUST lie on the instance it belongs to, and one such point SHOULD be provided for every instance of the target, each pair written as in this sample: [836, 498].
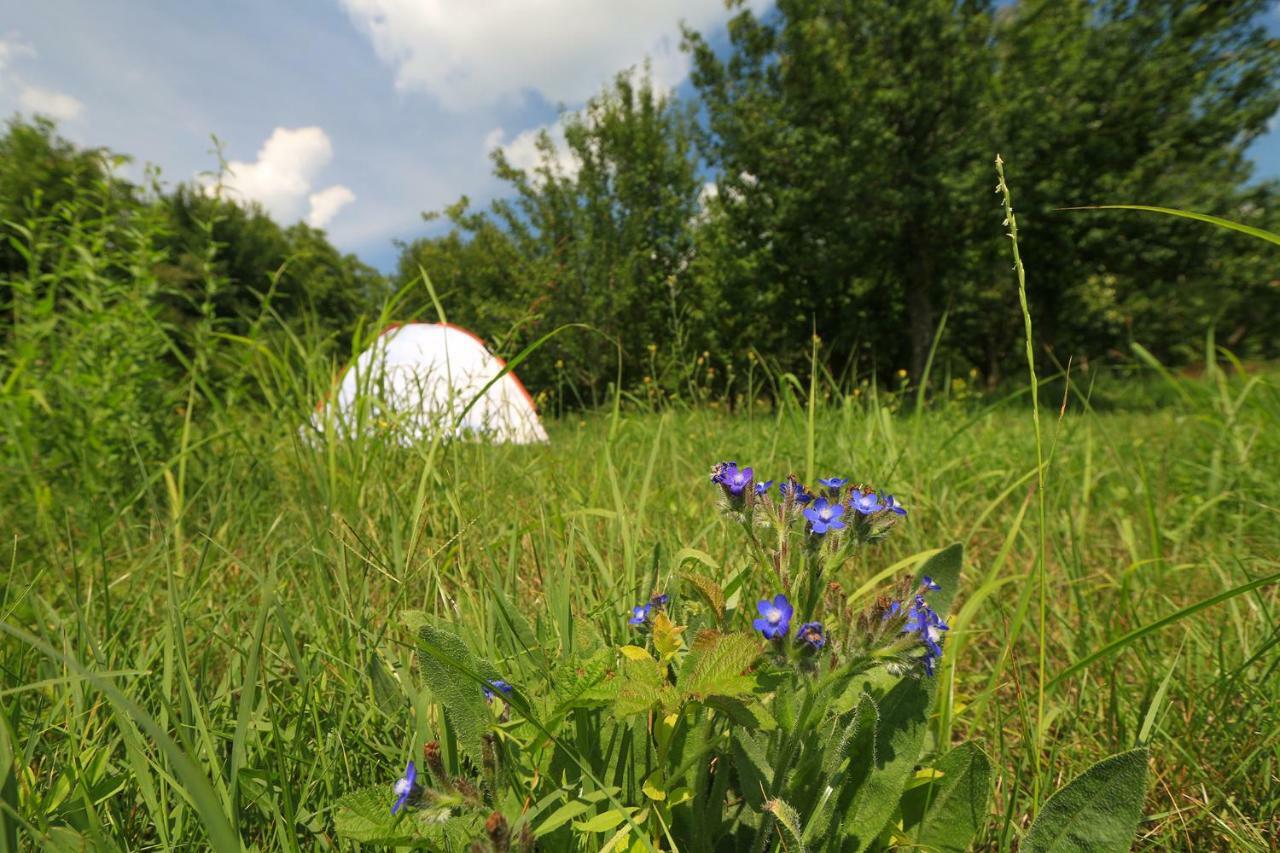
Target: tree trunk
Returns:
[919, 314]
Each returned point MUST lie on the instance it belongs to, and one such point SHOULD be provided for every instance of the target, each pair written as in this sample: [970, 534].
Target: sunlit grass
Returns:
[225, 650]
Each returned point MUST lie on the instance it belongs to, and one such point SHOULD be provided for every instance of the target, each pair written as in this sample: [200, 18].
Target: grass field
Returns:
[237, 620]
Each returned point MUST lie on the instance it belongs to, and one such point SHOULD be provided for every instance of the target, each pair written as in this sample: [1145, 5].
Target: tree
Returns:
[853, 152]
[599, 234]
[844, 142]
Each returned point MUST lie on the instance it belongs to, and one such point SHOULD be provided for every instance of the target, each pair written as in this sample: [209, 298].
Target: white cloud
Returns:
[326, 204]
[31, 98]
[11, 48]
[57, 105]
[474, 54]
[281, 178]
[522, 151]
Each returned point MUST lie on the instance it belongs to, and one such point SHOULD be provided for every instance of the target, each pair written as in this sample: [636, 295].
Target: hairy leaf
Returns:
[715, 665]
[1098, 811]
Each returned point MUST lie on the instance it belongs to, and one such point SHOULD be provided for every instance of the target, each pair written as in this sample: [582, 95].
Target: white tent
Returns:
[418, 379]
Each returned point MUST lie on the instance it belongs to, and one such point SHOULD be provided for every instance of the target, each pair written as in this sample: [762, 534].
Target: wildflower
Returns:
[893, 506]
[834, 483]
[761, 488]
[792, 489]
[925, 623]
[494, 687]
[659, 600]
[824, 516]
[813, 634]
[865, 503]
[640, 614]
[929, 583]
[404, 786]
[775, 617]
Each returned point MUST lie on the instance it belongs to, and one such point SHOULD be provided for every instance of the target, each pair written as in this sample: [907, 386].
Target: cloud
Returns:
[31, 98]
[11, 48]
[522, 151]
[281, 178]
[326, 204]
[476, 54]
[57, 105]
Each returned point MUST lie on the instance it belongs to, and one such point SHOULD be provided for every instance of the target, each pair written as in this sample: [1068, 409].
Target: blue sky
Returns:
[356, 115]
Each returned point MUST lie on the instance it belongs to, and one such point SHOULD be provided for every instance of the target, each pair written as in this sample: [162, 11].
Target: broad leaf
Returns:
[944, 568]
[1098, 811]
[883, 758]
[714, 667]
[955, 804]
[667, 636]
[709, 591]
[751, 760]
[450, 672]
[365, 816]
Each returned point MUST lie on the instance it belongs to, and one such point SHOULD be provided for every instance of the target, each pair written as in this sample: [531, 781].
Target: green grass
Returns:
[220, 651]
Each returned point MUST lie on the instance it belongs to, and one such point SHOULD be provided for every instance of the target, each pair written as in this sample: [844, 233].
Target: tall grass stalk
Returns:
[1011, 222]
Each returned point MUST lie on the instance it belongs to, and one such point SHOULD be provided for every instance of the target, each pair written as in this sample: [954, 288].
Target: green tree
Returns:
[853, 150]
[1152, 102]
[844, 140]
[606, 241]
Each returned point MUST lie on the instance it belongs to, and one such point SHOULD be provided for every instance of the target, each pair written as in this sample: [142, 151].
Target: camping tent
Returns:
[417, 380]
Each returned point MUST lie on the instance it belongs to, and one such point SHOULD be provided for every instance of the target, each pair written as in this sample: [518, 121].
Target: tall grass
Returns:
[201, 643]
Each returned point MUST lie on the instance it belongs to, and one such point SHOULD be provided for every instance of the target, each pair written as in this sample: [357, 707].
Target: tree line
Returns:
[825, 181]
[832, 174]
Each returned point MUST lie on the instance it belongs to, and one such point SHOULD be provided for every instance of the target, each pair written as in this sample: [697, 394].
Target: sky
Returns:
[353, 115]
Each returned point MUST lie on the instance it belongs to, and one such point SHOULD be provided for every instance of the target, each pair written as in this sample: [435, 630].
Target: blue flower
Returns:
[927, 625]
[892, 610]
[732, 478]
[494, 687]
[761, 488]
[775, 617]
[893, 506]
[866, 503]
[824, 515]
[793, 489]
[659, 600]
[813, 634]
[833, 482]
[404, 786]
[639, 614]
[929, 583]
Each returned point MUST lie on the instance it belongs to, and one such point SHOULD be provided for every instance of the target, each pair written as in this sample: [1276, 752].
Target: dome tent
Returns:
[419, 380]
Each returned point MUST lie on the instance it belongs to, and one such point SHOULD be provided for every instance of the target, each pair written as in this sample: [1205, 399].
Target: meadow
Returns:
[219, 654]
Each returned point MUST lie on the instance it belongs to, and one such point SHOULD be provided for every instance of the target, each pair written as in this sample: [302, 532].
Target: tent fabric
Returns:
[416, 380]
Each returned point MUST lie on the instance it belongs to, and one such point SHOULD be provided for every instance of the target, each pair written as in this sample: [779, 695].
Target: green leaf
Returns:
[944, 568]
[884, 756]
[1098, 811]
[450, 672]
[715, 664]
[751, 760]
[605, 821]
[1186, 214]
[750, 713]
[668, 637]
[955, 805]
[365, 816]
[709, 591]
[788, 824]
[640, 682]
[586, 683]
[561, 816]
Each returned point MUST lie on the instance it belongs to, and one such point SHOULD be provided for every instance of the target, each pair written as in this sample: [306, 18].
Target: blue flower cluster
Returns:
[824, 512]
[923, 622]
[774, 623]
